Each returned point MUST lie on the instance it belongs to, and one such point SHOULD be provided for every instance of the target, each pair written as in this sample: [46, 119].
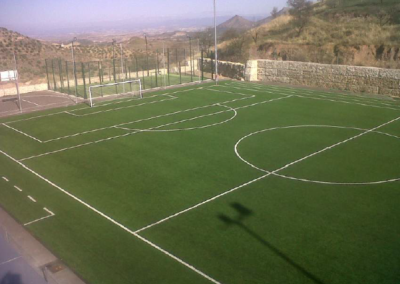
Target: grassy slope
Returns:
[299, 232]
[347, 29]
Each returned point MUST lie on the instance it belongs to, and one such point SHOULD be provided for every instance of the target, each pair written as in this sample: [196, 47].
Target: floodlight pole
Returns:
[216, 43]
[16, 75]
[74, 67]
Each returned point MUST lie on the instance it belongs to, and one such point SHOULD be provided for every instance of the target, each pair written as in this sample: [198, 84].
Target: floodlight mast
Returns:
[216, 43]
[74, 67]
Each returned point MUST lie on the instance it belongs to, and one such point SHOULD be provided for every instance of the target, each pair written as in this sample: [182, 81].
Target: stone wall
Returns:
[341, 77]
[225, 68]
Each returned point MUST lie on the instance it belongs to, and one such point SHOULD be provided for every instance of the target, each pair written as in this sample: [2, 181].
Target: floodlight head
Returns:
[74, 39]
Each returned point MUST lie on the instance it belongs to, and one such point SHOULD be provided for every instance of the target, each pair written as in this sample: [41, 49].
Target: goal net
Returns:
[103, 92]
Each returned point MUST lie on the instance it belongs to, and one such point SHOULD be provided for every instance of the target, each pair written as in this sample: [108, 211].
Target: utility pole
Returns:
[74, 67]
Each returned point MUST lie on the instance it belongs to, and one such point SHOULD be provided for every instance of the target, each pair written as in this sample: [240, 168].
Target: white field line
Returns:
[10, 260]
[17, 188]
[32, 199]
[306, 180]
[155, 129]
[329, 95]
[124, 107]
[346, 102]
[264, 176]
[145, 130]
[113, 221]
[150, 118]
[84, 108]
[23, 133]
[50, 214]
[328, 98]
[6, 179]
[30, 102]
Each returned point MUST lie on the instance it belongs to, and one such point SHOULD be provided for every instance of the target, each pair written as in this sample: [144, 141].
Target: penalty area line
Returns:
[51, 214]
[112, 220]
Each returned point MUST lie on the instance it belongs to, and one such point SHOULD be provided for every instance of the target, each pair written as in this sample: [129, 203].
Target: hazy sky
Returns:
[32, 14]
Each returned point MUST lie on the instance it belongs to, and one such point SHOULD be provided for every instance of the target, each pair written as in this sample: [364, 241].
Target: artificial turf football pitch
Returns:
[235, 183]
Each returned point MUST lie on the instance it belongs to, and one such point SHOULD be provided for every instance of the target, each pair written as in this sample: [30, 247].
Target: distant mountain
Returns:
[236, 23]
[270, 18]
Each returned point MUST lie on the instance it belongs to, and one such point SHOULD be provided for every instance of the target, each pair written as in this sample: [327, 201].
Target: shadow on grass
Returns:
[244, 213]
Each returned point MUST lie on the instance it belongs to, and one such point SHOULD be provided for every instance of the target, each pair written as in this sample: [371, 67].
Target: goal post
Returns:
[132, 88]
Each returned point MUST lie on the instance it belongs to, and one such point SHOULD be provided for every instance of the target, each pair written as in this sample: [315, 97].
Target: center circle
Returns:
[277, 171]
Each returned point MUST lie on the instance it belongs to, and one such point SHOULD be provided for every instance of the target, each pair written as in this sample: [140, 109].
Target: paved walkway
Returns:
[23, 258]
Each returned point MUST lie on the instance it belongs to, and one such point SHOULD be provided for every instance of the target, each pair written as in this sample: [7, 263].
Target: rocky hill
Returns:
[356, 32]
[236, 23]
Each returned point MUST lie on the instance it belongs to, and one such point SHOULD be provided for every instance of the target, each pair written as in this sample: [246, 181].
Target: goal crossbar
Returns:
[124, 92]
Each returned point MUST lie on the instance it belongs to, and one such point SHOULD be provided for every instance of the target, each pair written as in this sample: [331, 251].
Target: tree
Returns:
[274, 12]
[301, 10]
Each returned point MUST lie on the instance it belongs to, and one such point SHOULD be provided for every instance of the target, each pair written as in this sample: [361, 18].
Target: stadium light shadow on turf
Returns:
[244, 213]
[11, 278]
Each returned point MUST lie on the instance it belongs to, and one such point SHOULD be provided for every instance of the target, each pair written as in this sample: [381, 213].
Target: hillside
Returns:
[359, 32]
[236, 23]
[31, 53]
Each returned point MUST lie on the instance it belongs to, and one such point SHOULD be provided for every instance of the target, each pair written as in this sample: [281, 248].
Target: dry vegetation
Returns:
[352, 32]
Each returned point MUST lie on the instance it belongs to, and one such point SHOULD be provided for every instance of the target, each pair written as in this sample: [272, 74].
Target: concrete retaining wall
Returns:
[349, 78]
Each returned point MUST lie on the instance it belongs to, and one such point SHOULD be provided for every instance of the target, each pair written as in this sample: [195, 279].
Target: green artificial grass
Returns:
[139, 161]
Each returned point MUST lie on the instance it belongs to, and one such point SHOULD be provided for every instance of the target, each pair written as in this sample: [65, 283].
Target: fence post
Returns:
[99, 70]
[201, 66]
[47, 75]
[84, 80]
[54, 78]
[212, 69]
[61, 77]
[137, 68]
[66, 71]
[90, 77]
[156, 69]
[169, 83]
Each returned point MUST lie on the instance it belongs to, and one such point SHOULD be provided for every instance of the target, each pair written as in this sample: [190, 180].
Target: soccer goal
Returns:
[131, 88]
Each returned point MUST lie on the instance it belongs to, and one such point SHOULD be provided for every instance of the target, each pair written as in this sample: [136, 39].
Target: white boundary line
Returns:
[6, 179]
[10, 260]
[51, 214]
[327, 95]
[113, 126]
[17, 188]
[150, 130]
[325, 98]
[30, 102]
[113, 221]
[23, 133]
[264, 176]
[307, 180]
[32, 199]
